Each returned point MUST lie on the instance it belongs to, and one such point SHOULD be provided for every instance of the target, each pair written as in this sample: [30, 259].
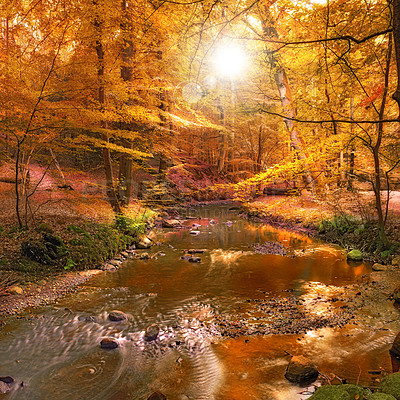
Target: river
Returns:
[221, 321]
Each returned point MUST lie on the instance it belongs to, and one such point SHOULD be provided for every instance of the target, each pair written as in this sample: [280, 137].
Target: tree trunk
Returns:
[287, 105]
[396, 37]
[221, 141]
[125, 174]
[110, 188]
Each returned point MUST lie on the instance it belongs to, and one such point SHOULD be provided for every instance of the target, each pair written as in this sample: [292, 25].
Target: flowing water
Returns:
[55, 354]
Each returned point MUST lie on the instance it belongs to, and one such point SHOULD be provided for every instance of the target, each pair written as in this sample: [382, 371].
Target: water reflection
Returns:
[59, 352]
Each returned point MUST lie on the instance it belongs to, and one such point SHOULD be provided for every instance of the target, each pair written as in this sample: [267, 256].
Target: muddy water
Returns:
[56, 353]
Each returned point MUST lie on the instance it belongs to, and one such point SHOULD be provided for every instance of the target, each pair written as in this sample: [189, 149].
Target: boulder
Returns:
[144, 243]
[355, 255]
[125, 254]
[4, 388]
[301, 370]
[396, 261]
[151, 332]
[194, 233]
[144, 256]
[114, 262]
[171, 223]
[108, 267]
[379, 267]
[109, 343]
[396, 294]
[157, 396]
[391, 385]
[7, 379]
[117, 316]
[341, 392]
[15, 290]
[196, 251]
[395, 349]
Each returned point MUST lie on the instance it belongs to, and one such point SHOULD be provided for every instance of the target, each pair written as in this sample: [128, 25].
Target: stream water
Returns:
[56, 352]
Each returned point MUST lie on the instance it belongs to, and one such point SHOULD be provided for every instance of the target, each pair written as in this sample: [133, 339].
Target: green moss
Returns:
[332, 392]
[391, 385]
[381, 396]
[44, 228]
[355, 255]
[340, 392]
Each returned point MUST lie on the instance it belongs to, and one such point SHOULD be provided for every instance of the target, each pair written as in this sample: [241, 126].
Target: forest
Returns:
[119, 117]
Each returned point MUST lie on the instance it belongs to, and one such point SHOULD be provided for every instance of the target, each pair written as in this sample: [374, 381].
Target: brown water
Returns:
[56, 353]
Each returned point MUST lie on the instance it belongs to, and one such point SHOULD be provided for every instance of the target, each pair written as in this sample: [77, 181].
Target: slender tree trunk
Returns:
[287, 105]
[221, 141]
[375, 151]
[396, 39]
[125, 175]
[110, 188]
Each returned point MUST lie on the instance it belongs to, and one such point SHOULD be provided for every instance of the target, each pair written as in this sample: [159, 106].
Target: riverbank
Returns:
[334, 221]
[63, 249]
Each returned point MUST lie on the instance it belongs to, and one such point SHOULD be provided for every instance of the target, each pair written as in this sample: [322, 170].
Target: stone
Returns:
[4, 388]
[301, 370]
[355, 255]
[391, 385]
[109, 343]
[157, 396]
[379, 267]
[144, 256]
[171, 223]
[395, 349]
[117, 316]
[115, 262]
[7, 379]
[195, 233]
[396, 294]
[15, 290]
[396, 261]
[194, 259]
[108, 267]
[125, 254]
[341, 392]
[151, 332]
[144, 243]
[196, 251]
[381, 396]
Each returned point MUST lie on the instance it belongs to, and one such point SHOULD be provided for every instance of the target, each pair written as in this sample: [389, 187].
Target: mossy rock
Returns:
[381, 396]
[49, 251]
[391, 385]
[331, 392]
[340, 392]
[355, 255]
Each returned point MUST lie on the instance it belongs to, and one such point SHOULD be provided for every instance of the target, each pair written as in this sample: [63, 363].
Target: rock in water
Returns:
[116, 316]
[4, 388]
[7, 379]
[144, 243]
[109, 343]
[157, 396]
[379, 267]
[196, 251]
[194, 259]
[171, 223]
[355, 255]
[301, 370]
[151, 332]
[395, 349]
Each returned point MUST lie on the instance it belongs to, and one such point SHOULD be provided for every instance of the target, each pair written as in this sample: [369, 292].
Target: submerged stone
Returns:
[157, 396]
[109, 344]
[355, 255]
[151, 332]
[301, 370]
[116, 316]
[4, 388]
[395, 349]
